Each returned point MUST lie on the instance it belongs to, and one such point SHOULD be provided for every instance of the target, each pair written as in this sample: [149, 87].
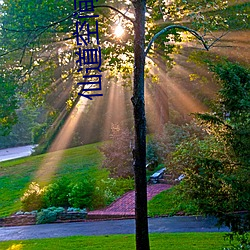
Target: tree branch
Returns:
[193, 32]
[118, 11]
[218, 38]
[27, 43]
[46, 27]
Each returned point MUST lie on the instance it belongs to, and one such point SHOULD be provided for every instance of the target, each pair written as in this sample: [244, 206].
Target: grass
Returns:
[170, 241]
[15, 175]
[169, 203]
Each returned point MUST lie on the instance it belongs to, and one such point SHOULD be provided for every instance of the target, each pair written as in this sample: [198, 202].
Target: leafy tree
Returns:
[217, 168]
[165, 142]
[118, 156]
[8, 106]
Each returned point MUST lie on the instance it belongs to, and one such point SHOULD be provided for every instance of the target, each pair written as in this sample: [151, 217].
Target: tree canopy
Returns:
[38, 47]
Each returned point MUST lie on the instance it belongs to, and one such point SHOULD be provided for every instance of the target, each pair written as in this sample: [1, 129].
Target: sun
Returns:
[119, 31]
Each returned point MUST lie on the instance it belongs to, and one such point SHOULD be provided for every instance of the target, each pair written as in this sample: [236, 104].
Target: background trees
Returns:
[118, 155]
[8, 106]
[38, 48]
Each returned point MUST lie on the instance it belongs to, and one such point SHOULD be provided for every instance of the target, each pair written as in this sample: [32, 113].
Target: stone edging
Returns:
[30, 219]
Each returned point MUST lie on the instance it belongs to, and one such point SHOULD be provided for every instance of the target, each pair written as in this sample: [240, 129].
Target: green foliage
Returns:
[8, 106]
[166, 141]
[65, 193]
[73, 209]
[39, 44]
[236, 16]
[216, 168]
[88, 193]
[48, 215]
[205, 175]
[123, 185]
[38, 131]
[57, 193]
[151, 154]
[242, 241]
[21, 132]
[108, 190]
[103, 193]
[32, 198]
[81, 194]
[231, 123]
[61, 193]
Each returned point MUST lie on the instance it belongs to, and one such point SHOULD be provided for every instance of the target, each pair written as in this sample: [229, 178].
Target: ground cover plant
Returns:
[170, 241]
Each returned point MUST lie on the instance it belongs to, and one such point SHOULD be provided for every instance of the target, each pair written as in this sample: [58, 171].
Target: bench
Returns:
[155, 177]
[182, 176]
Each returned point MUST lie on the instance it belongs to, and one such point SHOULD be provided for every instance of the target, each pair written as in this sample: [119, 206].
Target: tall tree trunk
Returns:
[139, 152]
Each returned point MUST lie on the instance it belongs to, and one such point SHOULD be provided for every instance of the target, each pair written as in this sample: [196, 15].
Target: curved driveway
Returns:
[17, 152]
[156, 225]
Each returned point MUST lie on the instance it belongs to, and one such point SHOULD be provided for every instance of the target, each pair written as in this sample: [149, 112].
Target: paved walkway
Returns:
[125, 206]
[156, 225]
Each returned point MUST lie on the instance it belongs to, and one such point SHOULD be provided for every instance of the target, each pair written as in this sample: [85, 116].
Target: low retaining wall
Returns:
[30, 219]
[71, 216]
[19, 220]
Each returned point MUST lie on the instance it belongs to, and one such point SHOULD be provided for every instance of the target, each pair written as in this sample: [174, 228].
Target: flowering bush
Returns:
[33, 197]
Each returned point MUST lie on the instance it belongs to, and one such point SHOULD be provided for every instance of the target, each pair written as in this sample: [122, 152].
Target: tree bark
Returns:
[139, 151]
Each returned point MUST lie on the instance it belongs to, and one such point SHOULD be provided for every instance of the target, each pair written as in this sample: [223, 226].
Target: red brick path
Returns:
[125, 205]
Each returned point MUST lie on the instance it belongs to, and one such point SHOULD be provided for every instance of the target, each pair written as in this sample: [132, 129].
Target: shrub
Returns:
[243, 242]
[123, 185]
[73, 209]
[48, 215]
[38, 131]
[103, 194]
[33, 197]
[118, 153]
[208, 181]
[81, 194]
[57, 193]
[152, 156]
[109, 189]
[166, 141]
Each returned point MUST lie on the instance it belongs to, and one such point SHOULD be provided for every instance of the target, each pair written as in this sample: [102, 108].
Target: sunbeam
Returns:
[51, 162]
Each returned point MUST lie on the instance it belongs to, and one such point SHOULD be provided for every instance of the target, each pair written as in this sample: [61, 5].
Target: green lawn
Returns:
[169, 202]
[16, 175]
[171, 241]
